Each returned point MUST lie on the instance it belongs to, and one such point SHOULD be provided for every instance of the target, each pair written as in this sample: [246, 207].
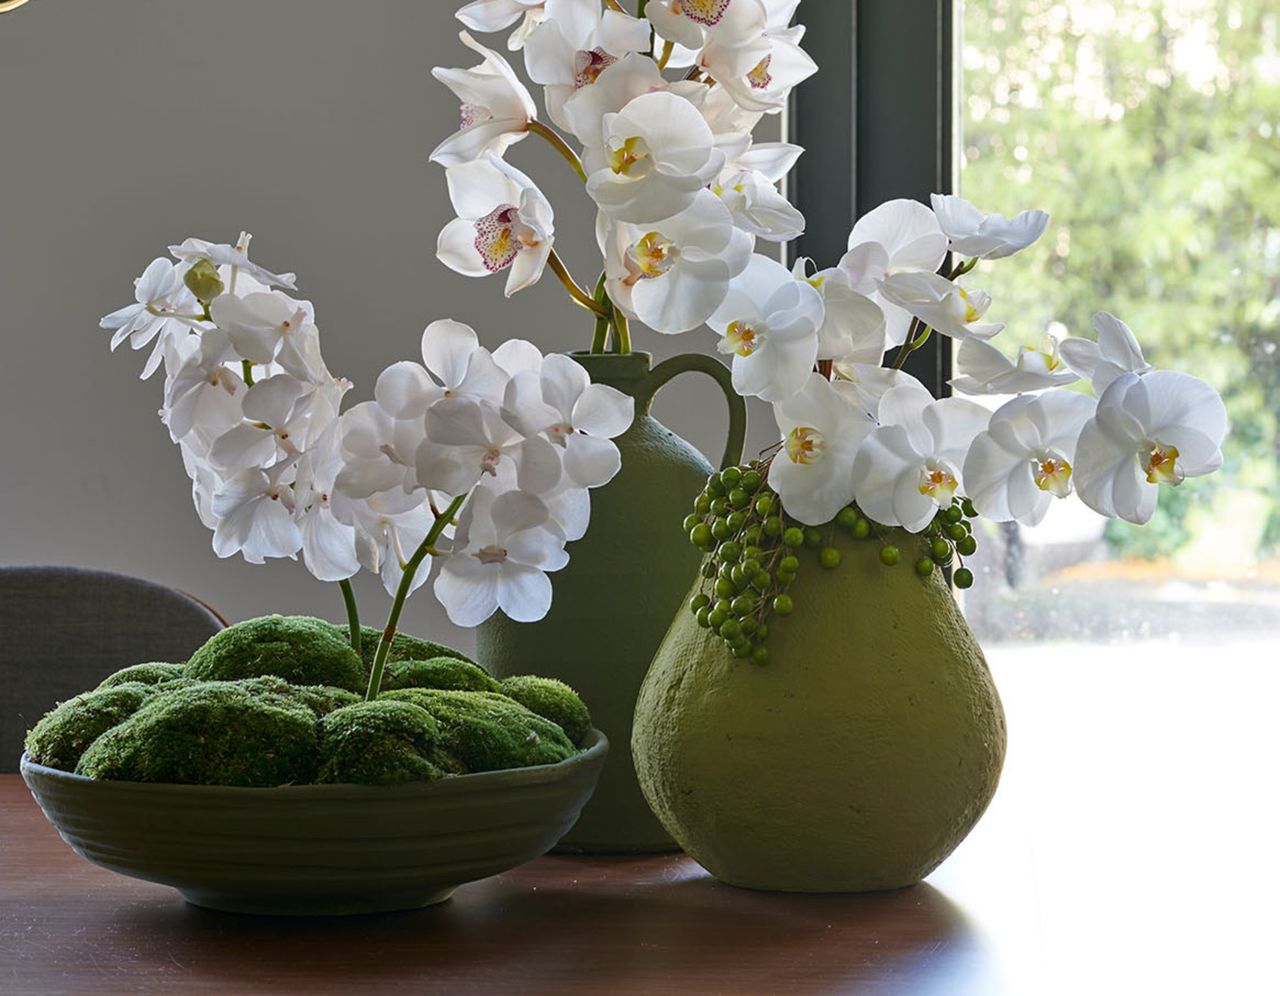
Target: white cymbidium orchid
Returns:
[910, 466]
[1148, 431]
[942, 305]
[748, 187]
[986, 236]
[900, 236]
[559, 401]
[203, 391]
[577, 42]
[616, 86]
[689, 23]
[657, 154]
[496, 107]
[454, 364]
[271, 327]
[763, 85]
[505, 545]
[1114, 354]
[328, 544]
[673, 275]
[163, 311]
[769, 324]
[1023, 460]
[487, 16]
[503, 221]
[986, 370]
[254, 509]
[235, 257]
[821, 434]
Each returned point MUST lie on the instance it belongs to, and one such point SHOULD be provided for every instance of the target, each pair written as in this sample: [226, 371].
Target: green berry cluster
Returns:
[754, 553]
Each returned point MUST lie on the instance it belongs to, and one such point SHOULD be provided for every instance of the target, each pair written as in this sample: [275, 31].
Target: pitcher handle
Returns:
[701, 363]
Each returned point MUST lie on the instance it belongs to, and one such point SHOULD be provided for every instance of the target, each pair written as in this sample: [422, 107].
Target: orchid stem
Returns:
[247, 367]
[623, 328]
[601, 338]
[402, 593]
[914, 342]
[614, 5]
[667, 48]
[353, 613]
[561, 146]
[576, 292]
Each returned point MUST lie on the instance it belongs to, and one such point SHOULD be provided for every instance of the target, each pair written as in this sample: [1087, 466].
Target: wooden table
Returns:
[1130, 850]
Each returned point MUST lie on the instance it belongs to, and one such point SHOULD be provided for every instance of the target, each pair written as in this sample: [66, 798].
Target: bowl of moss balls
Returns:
[256, 777]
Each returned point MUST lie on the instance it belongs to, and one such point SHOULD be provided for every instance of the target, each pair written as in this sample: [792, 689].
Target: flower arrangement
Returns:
[484, 460]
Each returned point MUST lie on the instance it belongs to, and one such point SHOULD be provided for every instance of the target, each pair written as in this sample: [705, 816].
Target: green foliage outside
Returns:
[1150, 130]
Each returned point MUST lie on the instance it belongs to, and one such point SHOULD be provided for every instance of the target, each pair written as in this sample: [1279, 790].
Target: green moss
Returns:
[212, 733]
[439, 672]
[65, 733]
[145, 674]
[488, 732]
[403, 647]
[382, 743]
[320, 699]
[553, 700]
[300, 649]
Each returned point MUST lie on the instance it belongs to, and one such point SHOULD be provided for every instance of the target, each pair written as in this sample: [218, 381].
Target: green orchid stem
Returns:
[912, 344]
[640, 8]
[623, 328]
[561, 146]
[402, 593]
[247, 367]
[600, 340]
[353, 613]
[579, 296]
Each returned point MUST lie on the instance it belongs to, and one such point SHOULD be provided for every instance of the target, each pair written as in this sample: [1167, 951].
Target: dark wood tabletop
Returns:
[1130, 850]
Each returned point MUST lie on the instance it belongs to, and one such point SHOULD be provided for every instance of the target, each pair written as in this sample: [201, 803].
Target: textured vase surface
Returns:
[856, 760]
[615, 600]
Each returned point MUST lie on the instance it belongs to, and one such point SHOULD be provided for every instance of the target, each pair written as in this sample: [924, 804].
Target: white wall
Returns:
[129, 125]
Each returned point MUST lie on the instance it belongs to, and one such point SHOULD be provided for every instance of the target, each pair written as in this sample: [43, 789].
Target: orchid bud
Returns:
[203, 281]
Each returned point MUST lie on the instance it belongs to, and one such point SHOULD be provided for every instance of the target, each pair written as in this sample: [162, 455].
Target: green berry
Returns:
[941, 550]
[751, 535]
[762, 581]
[846, 518]
[752, 480]
[714, 488]
[793, 537]
[720, 529]
[829, 557]
[730, 629]
[743, 605]
[760, 656]
[699, 602]
[963, 578]
[750, 552]
[716, 619]
[861, 529]
[762, 632]
[726, 571]
[730, 552]
[720, 506]
[725, 588]
[764, 504]
[748, 624]
[709, 569]
[785, 577]
[890, 555]
[704, 618]
[967, 506]
[967, 546]
[954, 513]
[783, 605]
[773, 526]
[700, 535]
[739, 498]
[702, 504]
[812, 537]
[730, 477]
[958, 531]
[924, 566]
[741, 650]
[736, 520]
[750, 566]
[737, 578]
[790, 564]
[721, 605]
[690, 521]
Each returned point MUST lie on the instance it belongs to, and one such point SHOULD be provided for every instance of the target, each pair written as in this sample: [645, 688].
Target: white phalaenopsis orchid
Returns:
[941, 304]
[986, 236]
[328, 543]
[910, 466]
[769, 324]
[496, 108]
[1024, 459]
[821, 435]
[164, 311]
[505, 545]
[1114, 354]
[270, 327]
[487, 16]
[986, 370]
[503, 222]
[235, 257]
[1158, 429]
[254, 509]
[748, 187]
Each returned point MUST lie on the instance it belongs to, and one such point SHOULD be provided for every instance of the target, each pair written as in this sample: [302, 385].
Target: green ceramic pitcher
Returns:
[615, 600]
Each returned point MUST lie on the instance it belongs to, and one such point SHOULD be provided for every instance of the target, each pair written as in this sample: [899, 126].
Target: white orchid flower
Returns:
[1024, 459]
[487, 16]
[910, 466]
[748, 187]
[986, 236]
[163, 311]
[505, 545]
[235, 257]
[582, 418]
[657, 154]
[577, 42]
[689, 23]
[389, 527]
[1116, 353]
[616, 86]
[673, 275]
[271, 327]
[821, 434]
[1148, 431]
[900, 236]
[468, 440]
[764, 85]
[769, 324]
[986, 370]
[328, 544]
[282, 416]
[496, 107]
[517, 355]
[254, 509]
[942, 305]
[454, 364]
[203, 391]
[503, 222]
[852, 325]
[379, 451]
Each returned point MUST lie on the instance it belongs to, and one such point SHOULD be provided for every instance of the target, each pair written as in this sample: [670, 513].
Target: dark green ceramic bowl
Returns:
[317, 850]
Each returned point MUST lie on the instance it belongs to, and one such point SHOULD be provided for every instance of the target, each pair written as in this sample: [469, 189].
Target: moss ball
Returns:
[489, 732]
[143, 674]
[300, 649]
[382, 743]
[66, 732]
[553, 700]
[439, 672]
[403, 647]
[320, 699]
[212, 733]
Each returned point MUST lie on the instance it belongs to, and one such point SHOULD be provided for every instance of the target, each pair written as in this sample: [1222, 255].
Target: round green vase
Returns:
[614, 601]
[856, 760]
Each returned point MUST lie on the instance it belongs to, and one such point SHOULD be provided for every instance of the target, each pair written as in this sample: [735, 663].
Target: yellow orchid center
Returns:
[816, 281]
[500, 235]
[706, 12]
[589, 65]
[650, 257]
[1053, 474]
[805, 445]
[626, 155]
[742, 338]
[760, 77]
[1161, 465]
[971, 313]
[939, 484]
